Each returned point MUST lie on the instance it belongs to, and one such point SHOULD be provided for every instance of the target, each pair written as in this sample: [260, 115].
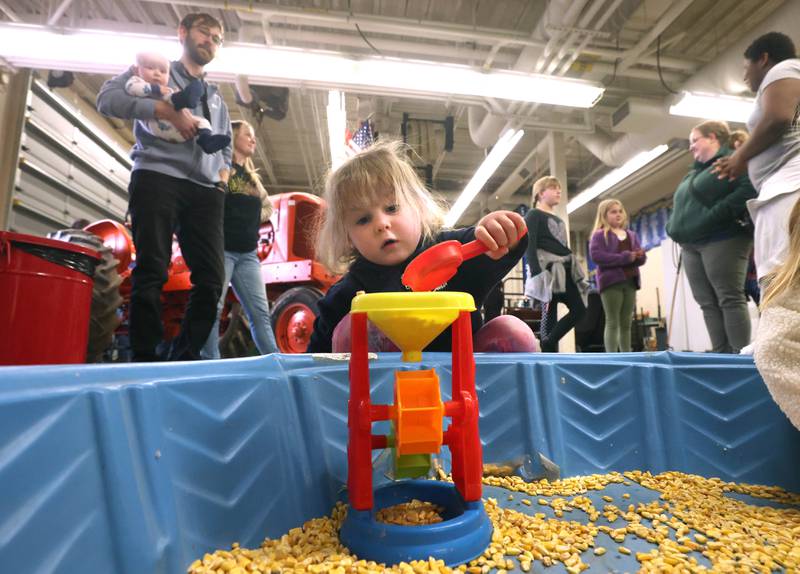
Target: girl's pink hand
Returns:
[500, 231]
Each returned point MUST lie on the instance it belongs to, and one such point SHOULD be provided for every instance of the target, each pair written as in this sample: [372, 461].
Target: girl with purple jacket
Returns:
[618, 255]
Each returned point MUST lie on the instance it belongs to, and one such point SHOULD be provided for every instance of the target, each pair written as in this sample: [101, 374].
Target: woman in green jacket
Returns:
[709, 222]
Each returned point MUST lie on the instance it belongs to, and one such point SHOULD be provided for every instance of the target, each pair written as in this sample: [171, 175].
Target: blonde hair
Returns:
[144, 57]
[363, 180]
[788, 274]
[257, 189]
[601, 221]
[720, 130]
[737, 136]
[543, 183]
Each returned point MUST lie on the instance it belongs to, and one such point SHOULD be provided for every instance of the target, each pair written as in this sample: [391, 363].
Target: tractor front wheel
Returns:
[293, 316]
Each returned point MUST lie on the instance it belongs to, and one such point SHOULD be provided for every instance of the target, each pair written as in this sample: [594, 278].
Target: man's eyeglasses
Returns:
[206, 31]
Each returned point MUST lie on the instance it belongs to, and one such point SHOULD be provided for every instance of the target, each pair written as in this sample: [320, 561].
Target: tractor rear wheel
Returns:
[293, 316]
[106, 298]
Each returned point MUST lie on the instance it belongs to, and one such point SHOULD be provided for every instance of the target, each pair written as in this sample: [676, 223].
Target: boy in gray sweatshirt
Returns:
[175, 188]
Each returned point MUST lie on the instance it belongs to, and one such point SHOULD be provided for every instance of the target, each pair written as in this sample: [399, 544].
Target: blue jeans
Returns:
[243, 272]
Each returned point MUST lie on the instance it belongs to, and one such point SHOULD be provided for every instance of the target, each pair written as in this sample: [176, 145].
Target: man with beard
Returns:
[175, 188]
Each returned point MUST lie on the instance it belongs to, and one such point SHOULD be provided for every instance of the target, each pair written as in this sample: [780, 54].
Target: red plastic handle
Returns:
[475, 247]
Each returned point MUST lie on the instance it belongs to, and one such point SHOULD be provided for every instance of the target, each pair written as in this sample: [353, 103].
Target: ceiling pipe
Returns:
[601, 69]
[615, 152]
[530, 122]
[574, 35]
[431, 31]
[570, 11]
[9, 12]
[522, 172]
[585, 22]
[405, 27]
[484, 127]
[567, 64]
[383, 24]
[58, 12]
[293, 37]
[671, 14]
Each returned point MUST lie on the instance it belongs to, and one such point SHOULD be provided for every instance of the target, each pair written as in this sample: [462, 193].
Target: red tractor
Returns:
[294, 280]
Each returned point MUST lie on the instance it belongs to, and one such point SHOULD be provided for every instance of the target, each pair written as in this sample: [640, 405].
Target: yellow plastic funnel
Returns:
[412, 320]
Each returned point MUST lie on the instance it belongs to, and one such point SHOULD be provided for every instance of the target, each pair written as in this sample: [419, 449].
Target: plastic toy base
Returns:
[463, 535]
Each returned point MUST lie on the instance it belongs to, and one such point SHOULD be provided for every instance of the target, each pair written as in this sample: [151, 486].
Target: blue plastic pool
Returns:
[142, 468]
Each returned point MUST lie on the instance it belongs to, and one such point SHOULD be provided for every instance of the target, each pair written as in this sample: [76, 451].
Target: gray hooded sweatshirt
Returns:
[184, 160]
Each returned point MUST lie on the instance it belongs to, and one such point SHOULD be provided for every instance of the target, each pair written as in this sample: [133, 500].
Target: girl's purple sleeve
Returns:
[605, 257]
[637, 245]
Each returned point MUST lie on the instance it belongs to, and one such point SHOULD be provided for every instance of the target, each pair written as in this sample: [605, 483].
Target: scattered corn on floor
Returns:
[631, 522]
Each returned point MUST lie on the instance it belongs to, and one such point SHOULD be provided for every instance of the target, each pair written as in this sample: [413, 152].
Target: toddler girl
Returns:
[379, 217]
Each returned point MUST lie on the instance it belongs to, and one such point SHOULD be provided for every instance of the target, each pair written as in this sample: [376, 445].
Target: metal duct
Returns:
[485, 127]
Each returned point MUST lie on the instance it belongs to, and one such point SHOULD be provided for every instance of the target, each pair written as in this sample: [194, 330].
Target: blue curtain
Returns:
[651, 227]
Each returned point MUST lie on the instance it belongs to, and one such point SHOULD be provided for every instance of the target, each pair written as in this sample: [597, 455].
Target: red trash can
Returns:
[45, 299]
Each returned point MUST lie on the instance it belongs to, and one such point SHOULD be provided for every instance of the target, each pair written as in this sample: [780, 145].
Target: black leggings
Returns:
[552, 331]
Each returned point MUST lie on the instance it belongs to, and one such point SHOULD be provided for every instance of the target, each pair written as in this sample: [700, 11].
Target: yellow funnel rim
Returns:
[411, 302]
[413, 320]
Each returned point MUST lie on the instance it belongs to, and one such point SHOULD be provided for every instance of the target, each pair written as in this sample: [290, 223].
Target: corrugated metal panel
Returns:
[67, 170]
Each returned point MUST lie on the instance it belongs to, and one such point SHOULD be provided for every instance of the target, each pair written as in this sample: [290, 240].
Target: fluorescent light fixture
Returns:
[492, 161]
[337, 127]
[33, 46]
[713, 107]
[612, 178]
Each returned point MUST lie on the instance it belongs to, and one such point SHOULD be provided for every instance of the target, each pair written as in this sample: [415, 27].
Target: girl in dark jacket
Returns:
[708, 221]
[618, 255]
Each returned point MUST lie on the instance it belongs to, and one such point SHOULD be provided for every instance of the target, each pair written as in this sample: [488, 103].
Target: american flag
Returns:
[363, 138]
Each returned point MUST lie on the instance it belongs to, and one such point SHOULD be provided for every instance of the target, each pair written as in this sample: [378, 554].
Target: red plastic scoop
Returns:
[437, 264]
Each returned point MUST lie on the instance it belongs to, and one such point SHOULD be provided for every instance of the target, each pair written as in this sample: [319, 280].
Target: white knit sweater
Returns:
[777, 352]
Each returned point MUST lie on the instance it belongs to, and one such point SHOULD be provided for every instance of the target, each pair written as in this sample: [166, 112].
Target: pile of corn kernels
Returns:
[733, 535]
[413, 513]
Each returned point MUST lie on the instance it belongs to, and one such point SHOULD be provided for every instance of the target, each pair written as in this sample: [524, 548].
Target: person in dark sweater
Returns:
[555, 276]
[379, 217]
[618, 255]
[247, 206]
[708, 220]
